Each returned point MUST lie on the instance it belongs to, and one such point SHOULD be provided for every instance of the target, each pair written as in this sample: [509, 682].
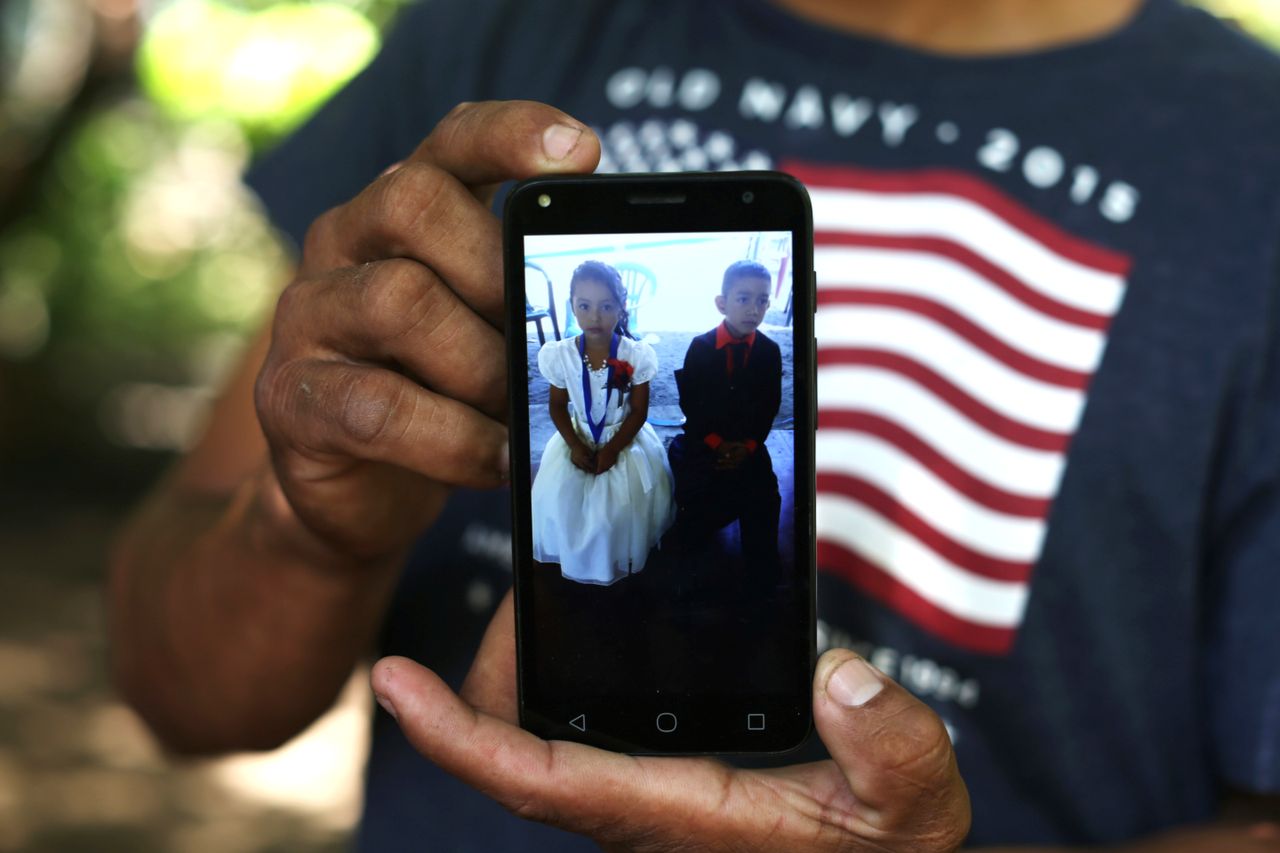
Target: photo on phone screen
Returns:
[661, 606]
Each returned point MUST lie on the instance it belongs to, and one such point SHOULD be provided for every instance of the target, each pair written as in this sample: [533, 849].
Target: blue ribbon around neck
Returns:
[597, 428]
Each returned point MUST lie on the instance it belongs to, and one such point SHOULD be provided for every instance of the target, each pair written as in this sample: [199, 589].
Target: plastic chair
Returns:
[641, 285]
[534, 314]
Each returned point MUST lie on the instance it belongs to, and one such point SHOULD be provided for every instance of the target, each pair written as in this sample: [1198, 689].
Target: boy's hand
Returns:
[730, 455]
[385, 383]
[893, 783]
[606, 458]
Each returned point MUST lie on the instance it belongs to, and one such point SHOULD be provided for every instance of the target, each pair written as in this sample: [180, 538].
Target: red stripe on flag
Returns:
[971, 407]
[963, 185]
[886, 589]
[977, 490]
[996, 275]
[898, 514]
[1020, 361]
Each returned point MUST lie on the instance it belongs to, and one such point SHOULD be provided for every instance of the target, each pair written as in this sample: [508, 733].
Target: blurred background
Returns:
[132, 269]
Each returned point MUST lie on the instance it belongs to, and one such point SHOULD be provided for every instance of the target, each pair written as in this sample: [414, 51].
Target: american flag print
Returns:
[957, 335]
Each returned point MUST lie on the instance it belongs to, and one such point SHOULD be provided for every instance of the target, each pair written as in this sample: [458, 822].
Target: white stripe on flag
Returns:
[1008, 466]
[968, 294]
[947, 510]
[968, 596]
[1007, 391]
[973, 226]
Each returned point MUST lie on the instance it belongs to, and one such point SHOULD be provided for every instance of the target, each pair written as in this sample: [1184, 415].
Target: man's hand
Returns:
[386, 380]
[893, 783]
[243, 593]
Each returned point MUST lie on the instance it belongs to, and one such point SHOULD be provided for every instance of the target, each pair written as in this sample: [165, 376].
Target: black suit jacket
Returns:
[736, 410]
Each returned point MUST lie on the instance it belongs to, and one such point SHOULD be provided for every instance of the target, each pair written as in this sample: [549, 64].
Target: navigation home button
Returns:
[579, 722]
[666, 723]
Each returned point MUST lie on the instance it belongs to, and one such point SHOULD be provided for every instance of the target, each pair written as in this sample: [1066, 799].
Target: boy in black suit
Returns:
[730, 390]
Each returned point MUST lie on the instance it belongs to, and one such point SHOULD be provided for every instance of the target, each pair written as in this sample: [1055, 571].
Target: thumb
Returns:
[491, 141]
[893, 750]
[491, 682]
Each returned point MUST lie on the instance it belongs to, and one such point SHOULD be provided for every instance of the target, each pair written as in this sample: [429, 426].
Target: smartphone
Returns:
[662, 391]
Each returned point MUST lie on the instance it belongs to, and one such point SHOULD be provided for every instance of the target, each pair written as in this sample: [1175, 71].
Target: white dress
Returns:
[600, 527]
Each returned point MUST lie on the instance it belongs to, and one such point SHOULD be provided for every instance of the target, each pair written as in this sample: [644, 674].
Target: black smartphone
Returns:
[660, 338]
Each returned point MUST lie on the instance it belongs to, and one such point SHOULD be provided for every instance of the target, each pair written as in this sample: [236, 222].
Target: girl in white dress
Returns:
[602, 494]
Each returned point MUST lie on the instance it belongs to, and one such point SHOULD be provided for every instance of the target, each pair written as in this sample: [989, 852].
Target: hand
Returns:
[582, 457]
[893, 783]
[730, 455]
[385, 382]
[606, 458]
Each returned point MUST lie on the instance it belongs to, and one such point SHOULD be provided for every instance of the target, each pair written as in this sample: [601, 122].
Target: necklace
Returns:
[586, 359]
[597, 429]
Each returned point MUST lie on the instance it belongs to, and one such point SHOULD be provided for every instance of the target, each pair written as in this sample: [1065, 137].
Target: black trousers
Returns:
[708, 498]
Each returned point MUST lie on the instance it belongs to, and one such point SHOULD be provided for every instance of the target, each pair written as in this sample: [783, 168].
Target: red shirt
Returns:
[723, 338]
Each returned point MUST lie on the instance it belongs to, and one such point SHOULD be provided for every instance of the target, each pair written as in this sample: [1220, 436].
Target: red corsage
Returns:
[622, 373]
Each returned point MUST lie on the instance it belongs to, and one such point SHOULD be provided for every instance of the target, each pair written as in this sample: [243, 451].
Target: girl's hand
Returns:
[606, 458]
[582, 458]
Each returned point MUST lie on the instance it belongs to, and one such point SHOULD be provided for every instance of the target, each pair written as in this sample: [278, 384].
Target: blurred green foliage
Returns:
[1259, 17]
[128, 287]
[148, 263]
[265, 69]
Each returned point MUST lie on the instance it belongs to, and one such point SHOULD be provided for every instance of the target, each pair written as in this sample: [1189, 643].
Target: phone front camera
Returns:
[748, 197]
[544, 200]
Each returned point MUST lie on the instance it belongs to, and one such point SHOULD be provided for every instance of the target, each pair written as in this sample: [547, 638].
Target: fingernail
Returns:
[559, 139]
[386, 705]
[854, 683]
[504, 464]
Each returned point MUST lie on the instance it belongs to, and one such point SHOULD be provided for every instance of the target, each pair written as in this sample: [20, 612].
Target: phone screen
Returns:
[662, 470]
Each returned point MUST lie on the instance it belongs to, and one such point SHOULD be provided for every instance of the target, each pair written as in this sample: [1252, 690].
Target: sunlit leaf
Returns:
[266, 70]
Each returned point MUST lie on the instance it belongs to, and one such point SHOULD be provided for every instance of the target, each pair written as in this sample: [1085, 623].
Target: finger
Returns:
[602, 794]
[370, 413]
[394, 507]
[434, 207]
[893, 750]
[493, 141]
[423, 213]
[490, 687]
[398, 311]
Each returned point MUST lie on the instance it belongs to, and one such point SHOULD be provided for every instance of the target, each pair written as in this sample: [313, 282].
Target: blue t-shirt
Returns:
[1049, 384]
